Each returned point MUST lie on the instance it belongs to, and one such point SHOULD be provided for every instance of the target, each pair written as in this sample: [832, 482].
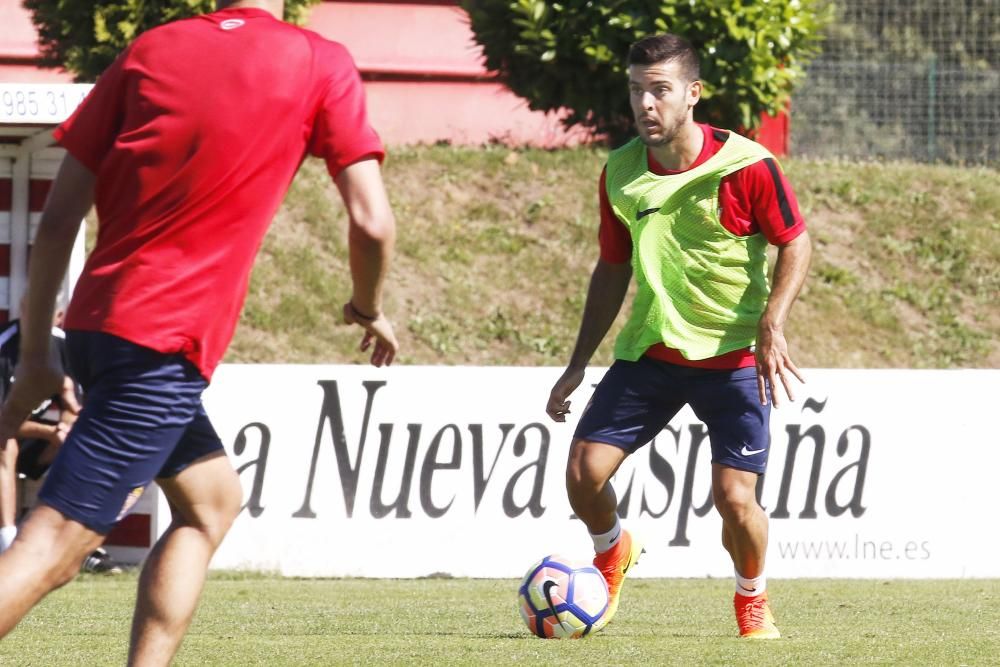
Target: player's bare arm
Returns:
[70, 405]
[371, 237]
[773, 360]
[608, 286]
[70, 198]
[53, 433]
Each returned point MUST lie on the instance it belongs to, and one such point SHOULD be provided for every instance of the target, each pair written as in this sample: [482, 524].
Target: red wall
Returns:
[423, 72]
[18, 49]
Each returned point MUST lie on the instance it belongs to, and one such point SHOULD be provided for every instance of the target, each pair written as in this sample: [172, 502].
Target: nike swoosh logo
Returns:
[750, 452]
[547, 592]
[547, 587]
[631, 562]
[642, 214]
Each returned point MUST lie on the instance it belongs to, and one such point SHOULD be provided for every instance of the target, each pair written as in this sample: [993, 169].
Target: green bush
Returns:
[85, 36]
[572, 55]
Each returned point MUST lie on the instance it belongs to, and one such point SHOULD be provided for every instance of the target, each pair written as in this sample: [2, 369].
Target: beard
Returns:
[668, 132]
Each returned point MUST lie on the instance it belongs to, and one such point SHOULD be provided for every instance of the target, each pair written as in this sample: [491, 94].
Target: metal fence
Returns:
[904, 79]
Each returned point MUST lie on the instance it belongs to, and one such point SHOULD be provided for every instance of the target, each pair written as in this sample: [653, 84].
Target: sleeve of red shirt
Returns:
[91, 130]
[341, 134]
[775, 209]
[613, 237]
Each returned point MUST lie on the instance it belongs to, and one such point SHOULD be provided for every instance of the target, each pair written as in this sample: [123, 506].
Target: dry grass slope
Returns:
[496, 246]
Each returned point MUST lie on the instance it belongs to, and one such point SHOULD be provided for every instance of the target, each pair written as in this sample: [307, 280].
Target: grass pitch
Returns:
[260, 620]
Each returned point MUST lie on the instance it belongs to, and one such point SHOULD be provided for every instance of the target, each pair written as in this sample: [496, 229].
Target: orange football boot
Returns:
[753, 615]
[615, 564]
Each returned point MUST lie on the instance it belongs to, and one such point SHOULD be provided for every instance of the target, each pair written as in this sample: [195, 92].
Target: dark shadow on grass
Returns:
[442, 633]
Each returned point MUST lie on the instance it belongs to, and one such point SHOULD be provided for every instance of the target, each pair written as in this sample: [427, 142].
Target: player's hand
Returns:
[558, 405]
[34, 381]
[68, 400]
[378, 330]
[59, 433]
[773, 364]
[68, 418]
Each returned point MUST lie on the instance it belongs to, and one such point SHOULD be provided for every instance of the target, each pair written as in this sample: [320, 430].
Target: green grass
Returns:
[496, 246]
[259, 620]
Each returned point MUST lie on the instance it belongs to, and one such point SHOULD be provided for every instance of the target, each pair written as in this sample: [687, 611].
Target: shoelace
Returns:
[754, 612]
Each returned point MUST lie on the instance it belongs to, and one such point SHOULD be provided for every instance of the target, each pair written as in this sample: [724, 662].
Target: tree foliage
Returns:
[572, 54]
[85, 36]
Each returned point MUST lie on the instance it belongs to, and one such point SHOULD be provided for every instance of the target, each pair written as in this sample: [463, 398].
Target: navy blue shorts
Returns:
[142, 418]
[636, 399]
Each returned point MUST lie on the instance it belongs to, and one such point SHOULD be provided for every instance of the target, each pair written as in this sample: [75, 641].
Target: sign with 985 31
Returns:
[39, 103]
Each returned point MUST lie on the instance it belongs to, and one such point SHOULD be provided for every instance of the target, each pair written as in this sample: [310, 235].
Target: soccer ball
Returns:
[562, 599]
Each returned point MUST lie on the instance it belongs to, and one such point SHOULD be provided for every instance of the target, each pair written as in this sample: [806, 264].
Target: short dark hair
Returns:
[661, 48]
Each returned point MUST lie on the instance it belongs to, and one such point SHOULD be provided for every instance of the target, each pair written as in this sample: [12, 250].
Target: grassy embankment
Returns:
[496, 246]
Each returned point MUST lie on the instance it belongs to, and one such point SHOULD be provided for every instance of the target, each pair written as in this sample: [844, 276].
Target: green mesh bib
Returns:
[701, 289]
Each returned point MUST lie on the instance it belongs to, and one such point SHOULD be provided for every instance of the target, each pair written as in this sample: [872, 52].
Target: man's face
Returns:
[661, 100]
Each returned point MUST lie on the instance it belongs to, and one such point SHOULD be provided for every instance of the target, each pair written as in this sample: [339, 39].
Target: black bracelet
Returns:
[358, 313]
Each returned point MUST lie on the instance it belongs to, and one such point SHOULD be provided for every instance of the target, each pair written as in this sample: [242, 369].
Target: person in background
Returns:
[39, 438]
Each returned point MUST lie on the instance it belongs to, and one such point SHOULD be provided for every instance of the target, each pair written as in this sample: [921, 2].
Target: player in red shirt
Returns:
[186, 145]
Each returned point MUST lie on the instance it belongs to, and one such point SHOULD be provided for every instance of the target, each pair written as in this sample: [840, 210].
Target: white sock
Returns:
[7, 535]
[750, 587]
[605, 541]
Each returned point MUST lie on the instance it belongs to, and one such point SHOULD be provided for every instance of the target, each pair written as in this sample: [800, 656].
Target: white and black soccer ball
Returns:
[563, 599]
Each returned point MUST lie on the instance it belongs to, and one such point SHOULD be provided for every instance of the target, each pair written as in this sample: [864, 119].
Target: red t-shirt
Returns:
[755, 199]
[195, 133]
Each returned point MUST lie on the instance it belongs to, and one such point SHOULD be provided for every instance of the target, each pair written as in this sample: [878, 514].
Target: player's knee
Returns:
[215, 518]
[581, 481]
[54, 563]
[735, 504]
[582, 475]
[57, 568]
[231, 502]
[65, 572]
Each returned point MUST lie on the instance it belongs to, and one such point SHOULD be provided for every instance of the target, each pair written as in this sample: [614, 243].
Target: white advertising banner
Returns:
[415, 471]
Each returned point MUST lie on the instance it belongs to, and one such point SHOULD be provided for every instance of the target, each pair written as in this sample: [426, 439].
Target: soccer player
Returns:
[687, 209]
[186, 145]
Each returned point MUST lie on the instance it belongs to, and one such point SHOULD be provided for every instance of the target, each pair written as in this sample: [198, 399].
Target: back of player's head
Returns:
[665, 48]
